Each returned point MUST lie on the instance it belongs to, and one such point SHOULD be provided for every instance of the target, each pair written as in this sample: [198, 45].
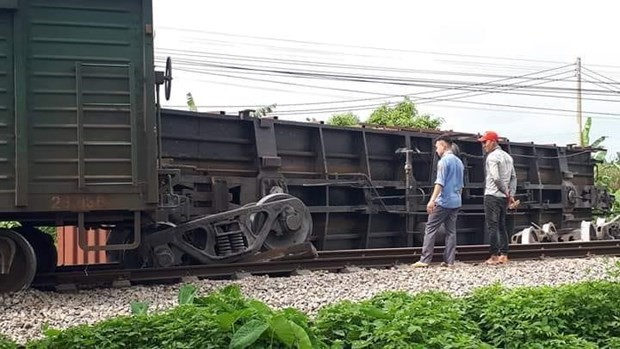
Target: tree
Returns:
[404, 114]
[343, 119]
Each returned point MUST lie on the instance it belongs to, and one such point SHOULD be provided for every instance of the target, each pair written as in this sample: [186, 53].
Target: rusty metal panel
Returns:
[69, 251]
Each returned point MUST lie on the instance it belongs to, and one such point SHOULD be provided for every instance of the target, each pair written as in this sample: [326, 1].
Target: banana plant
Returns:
[585, 141]
[190, 102]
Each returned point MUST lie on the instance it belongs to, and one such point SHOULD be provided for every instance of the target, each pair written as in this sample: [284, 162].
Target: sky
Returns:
[229, 55]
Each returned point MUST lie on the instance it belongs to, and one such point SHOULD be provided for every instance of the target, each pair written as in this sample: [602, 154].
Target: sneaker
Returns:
[446, 265]
[492, 261]
[419, 265]
[503, 259]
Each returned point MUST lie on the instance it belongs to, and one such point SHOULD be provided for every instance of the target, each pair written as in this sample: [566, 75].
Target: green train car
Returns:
[79, 140]
[77, 125]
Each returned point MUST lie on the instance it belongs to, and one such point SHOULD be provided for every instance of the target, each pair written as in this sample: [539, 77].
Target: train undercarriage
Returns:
[277, 221]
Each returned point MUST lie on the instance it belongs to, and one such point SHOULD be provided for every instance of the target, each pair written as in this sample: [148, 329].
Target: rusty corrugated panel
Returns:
[69, 251]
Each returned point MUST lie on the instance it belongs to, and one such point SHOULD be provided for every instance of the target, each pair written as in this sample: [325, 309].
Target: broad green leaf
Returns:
[260, 307]
[600, 155]
[187, 294]
[247, 334]
[239, 314]
[585, 133]
[281, 328]
[290, 333]
[598, 141]
[301, 336]
[139, 308]
[226, 320]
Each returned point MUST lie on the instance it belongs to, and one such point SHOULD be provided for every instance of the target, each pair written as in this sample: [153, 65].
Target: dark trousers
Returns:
[495, 217]
[447, 218]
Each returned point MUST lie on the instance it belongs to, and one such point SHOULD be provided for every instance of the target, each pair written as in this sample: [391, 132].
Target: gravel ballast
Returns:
[22, 315]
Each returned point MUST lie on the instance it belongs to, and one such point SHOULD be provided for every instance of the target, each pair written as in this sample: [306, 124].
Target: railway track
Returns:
[78, 277]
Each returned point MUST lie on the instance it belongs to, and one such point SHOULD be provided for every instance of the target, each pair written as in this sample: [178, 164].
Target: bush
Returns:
[224, 319]
[345, 119]
[399, 320]
[561, 342]
[507, 317]
[583, 315]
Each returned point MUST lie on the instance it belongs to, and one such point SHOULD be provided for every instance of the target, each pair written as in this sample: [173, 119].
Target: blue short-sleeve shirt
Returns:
[450, 177]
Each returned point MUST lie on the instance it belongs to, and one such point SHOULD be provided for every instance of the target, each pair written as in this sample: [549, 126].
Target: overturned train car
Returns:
[365, 187]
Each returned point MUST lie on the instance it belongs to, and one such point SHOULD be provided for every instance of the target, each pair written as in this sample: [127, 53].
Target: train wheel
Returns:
[293, 226]
[44, 248]
[24, 262]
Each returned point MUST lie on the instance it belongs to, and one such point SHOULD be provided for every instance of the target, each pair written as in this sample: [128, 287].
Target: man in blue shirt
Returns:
[444, 204]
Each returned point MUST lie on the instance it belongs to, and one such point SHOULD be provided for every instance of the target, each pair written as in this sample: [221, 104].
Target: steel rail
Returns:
[335, 260]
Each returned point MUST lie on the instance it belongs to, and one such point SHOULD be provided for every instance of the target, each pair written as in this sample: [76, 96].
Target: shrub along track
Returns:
[72, 278]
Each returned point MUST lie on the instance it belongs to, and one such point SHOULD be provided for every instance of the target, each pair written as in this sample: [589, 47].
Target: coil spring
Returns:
[230, 243]
[237, 242]
[223, 245]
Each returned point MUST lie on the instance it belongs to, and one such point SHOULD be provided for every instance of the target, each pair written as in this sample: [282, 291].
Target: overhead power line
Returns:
[467, 88]
[419, 82]
[442, 85]
[204, 33]
[374, 48]
[199, 57]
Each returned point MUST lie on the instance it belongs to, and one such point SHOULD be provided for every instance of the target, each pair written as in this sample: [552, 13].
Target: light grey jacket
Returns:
[500, 173]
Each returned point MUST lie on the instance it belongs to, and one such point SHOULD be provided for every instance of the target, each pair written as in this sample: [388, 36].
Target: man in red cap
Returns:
[499, 190]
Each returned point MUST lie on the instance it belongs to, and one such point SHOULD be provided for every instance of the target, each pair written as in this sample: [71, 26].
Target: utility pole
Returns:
[579, 102]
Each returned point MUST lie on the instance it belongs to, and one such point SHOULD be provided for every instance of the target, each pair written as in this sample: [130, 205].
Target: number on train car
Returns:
[77, 203]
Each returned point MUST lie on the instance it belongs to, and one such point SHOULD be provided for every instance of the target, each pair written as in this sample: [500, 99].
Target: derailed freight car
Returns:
[366, 187]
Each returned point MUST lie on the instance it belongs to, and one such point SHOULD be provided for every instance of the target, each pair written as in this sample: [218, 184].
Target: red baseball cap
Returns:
[489, 136]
